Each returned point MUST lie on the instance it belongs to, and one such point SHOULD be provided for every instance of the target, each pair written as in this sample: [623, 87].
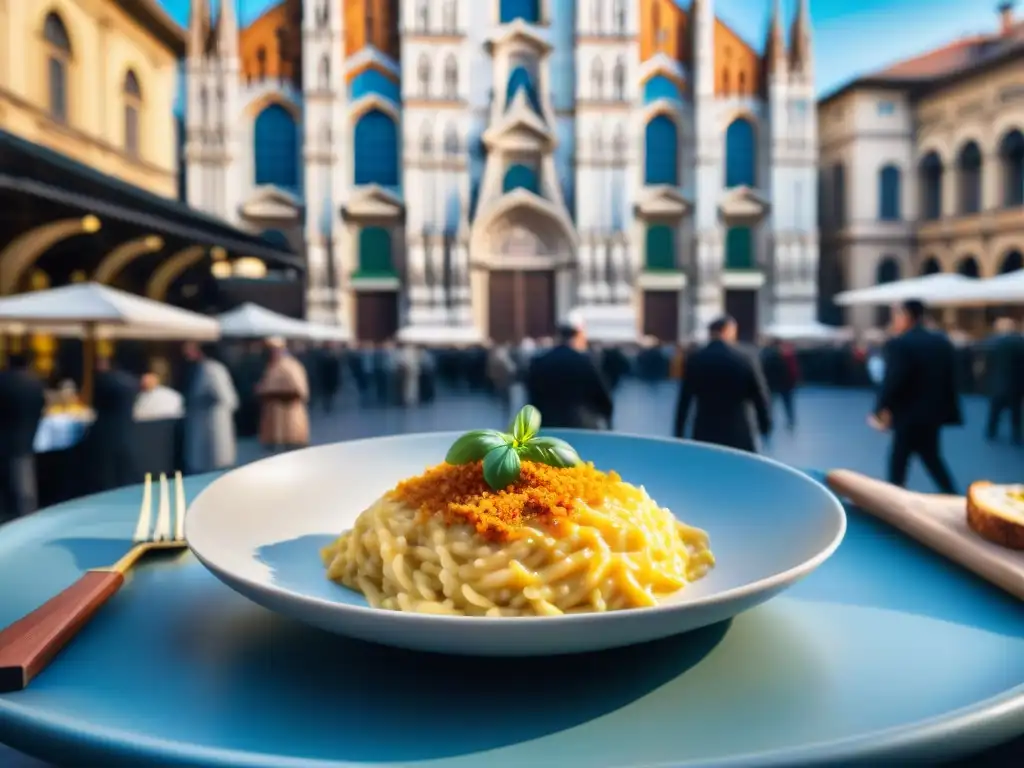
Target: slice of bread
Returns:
[996, 513]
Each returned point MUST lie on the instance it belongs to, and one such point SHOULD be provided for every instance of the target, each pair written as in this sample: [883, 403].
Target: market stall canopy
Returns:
[439, 335]
[91, 309]
[808, 332]
[251, 321]
[924, 288]
[1003, 289]
[607, 323]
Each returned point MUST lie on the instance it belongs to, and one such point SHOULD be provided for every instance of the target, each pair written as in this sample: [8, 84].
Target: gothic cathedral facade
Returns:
[460, 170]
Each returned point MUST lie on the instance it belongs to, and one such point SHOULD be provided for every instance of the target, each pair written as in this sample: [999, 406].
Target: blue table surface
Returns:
[949, 595]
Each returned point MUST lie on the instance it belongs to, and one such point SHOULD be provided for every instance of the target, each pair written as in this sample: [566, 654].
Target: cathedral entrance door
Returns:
[521, 305]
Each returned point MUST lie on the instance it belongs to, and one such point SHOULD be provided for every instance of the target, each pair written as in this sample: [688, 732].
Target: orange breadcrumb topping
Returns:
[542, 494]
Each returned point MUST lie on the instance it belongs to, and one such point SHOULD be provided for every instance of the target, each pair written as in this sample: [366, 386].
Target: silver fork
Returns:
[28, 645]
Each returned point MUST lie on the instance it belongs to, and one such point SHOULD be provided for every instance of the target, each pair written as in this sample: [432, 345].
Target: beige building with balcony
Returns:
[922, 167]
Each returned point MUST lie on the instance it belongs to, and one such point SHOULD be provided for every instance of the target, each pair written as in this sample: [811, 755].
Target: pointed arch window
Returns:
[323, 14]
[451, 77]
[132, 94]
[619, 16]
[596, 80]
[375, 149]
[661, 151]
[930, 173]
[451, 141]
[423, 75]
[725, 82]
[619, 80]
[325, 73]
[450, 17]
[261, 63]
[284, 50]
[596, 144]
[370, 22]
[426, 141]
[423, 16]
[740, 154]
[276, 148]
[596, 14]
[619, 146]
[58, 65]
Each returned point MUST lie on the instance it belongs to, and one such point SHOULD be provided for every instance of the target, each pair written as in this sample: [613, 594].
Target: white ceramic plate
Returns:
[260, 528]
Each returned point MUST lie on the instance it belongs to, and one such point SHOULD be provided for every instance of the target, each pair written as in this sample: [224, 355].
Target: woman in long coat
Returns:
[210, 404]
[284, 397]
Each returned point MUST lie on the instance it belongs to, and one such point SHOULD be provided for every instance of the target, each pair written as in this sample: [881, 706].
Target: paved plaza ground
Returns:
[831, 430]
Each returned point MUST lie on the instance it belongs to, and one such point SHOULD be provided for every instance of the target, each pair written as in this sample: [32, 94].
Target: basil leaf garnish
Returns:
[474, 445]
[501, 467]
[551, 451]
[526, 424]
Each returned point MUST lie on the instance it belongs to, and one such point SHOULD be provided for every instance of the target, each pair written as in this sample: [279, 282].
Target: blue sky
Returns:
[851, 37]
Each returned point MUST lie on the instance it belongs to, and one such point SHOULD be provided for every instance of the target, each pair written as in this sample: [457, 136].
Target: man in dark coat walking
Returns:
[1005, 378]
[566, 386]
[918, 396]
[21, 408]
[732, 402]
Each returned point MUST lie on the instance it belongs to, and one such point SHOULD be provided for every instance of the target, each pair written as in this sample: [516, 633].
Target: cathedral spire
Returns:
[227, 30]
[198, 28]
[775, 45]
[800, 39]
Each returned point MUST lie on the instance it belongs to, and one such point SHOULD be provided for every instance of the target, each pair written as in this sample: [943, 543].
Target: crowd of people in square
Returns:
[270, 390]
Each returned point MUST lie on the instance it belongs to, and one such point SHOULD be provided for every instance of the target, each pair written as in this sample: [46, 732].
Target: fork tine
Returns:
[145, 511]
[162, 532]
[179, 507]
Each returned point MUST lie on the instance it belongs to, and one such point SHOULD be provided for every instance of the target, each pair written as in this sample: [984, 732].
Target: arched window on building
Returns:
[276, 148]
[451, 77]
[427, 140]
[619, 80]
[423, 75]
[376, 149]
[1011, 160]
[527, 10]
[596, 17]
[889, 178]
[931, 266]
[968, 167]
[661, 151]
[740, 154]
[596, 79]
[58, 66]
[968, 267]
[929, 179]
[132, 94]
[423, 16]
[1012, 262]
[660, 248]
[261, 63]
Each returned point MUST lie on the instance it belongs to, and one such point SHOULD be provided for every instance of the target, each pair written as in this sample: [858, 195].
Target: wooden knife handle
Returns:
[28, 645]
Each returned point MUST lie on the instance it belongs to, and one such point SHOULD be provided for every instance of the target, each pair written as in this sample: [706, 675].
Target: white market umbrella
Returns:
[924, 288]
[1002, 289]
[99, 311]
[609, 323]
[812, 331]
[250, 321]
[440, 334]
[93, 311]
